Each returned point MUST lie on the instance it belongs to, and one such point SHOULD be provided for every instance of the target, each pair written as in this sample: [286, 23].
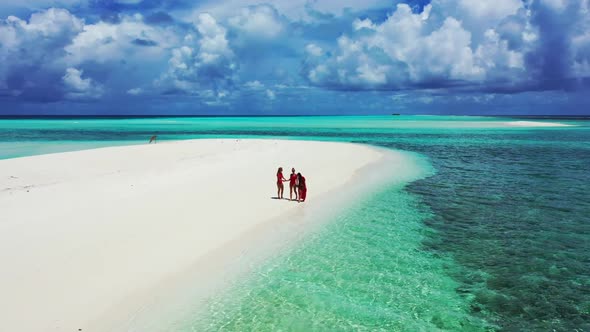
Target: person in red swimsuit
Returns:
[302, 187]
[293, 185]
[280, 180]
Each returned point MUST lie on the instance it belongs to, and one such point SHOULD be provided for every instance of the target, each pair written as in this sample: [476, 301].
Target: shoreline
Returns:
[533, 124]
[136, 259]
[183, 297]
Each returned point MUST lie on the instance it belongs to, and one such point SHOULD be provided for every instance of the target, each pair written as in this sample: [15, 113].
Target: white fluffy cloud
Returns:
[31, 52]
[366, 23]
[46, 53]
[51, 51]
[213, 45]
[40, 39]
[78, 87]
[475, 16]
[461, 44]
[261, 21]
[204, 63]
[135, 91]
[254, 85]
[313, 50]
[129, 39]
[421, 49]
[270, 94]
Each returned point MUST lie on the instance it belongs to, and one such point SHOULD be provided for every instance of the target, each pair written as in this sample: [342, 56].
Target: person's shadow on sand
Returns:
[274, 197]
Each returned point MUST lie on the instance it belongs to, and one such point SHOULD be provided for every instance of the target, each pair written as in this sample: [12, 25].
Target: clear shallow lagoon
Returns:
[497, 238]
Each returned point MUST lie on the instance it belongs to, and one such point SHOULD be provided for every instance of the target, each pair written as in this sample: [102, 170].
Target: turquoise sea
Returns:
[493, 235]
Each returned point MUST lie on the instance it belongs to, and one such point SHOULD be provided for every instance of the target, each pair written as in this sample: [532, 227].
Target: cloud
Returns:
[561, 49]
[232, 53]
[40, 52]
[204, 63]
[214, 47]
[40, 39]
[459, 44]
[486, 13]
[295, 10]
[254, 85]
[366, 23]
[258, 22]
[402, 51]
[265, 45]
[125, 40]
[31, 53]
[80, 88]
[123, 54]
[135, 91]
[313, 50]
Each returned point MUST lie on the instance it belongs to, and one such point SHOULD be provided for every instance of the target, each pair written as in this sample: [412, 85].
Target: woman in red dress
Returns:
[280, 180]
[302, 187]
[293, 185]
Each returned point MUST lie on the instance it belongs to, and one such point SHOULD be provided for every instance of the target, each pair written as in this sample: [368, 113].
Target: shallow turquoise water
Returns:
[497, 238]
[365, 271]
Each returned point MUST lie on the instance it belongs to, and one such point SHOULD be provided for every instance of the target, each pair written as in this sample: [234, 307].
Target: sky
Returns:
[182, 57]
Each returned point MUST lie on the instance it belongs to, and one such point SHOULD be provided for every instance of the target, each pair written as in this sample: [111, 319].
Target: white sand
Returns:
[88, 238]
[536, 124]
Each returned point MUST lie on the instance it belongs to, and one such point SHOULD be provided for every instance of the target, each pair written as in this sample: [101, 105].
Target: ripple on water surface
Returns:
[517, 218]
[365, 271]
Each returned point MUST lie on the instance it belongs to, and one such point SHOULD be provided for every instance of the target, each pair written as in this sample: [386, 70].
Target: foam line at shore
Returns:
[89, 239]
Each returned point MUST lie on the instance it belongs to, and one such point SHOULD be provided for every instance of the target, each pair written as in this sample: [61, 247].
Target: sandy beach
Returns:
[535, 124]
[89, 238]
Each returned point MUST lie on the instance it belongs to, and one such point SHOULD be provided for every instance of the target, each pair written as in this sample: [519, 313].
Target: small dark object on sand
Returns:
[153, 139]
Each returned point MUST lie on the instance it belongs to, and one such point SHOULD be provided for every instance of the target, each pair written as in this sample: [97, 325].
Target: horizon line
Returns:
[130, 116]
